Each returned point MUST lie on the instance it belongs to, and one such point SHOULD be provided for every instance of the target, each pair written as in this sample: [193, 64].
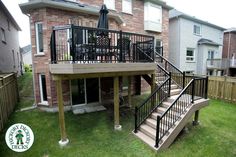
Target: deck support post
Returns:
[64, 140]
[129, 91]
[153, 85]
[195, 121]
[116, 104]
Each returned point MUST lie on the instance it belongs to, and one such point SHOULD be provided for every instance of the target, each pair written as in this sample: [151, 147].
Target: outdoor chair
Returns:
[124, 47]
[102, 46]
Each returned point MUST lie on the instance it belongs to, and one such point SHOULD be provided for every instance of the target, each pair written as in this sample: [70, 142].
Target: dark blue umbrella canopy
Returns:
[103, 19]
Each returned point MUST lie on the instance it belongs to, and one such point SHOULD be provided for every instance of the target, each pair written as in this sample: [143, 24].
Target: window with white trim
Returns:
[110, 4]
[43, 88]
[190, 56]
[152, 12]
[127, 6]
[39, 37]
[197, 29]
[3, 35]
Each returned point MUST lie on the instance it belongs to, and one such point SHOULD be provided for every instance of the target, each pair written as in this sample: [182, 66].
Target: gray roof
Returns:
[175, 13]
[25, 49]
[233, 29]
[207, 42]
[67, 5]
[8, 14]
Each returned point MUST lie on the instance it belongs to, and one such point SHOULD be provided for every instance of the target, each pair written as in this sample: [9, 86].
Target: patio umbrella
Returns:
[103, 20]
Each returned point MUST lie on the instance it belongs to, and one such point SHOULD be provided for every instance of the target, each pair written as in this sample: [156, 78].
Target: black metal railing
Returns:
[160, 93]
[78, 44]
[177, 75]
[196, 88]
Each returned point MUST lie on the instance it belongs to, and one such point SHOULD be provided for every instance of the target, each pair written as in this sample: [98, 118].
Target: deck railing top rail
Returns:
[77, 44]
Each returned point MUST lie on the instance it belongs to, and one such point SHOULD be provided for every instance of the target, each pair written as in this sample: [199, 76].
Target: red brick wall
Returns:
[229, 45]
[52, 17]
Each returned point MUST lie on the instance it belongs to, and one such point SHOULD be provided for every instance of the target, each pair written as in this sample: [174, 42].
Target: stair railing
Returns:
[196, 88]
[177, 75]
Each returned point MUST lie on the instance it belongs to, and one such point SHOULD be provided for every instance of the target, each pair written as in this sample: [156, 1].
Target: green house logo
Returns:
[19, 137]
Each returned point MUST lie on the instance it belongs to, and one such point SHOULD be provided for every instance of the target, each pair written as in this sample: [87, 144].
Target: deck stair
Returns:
[167, 110]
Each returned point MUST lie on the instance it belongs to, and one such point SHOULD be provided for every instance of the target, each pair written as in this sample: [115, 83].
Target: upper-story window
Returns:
[127, 6]
[197, 29]
[152, 17]
[190, 56]
[3, 35]
[110, 4]
[39, 37]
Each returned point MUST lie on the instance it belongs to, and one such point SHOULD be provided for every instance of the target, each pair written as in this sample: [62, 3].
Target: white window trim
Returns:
[190, 56]
[200, 29]
[113, 7]
[41, 91]
[147, 13]
[124, 11]
[37, 41]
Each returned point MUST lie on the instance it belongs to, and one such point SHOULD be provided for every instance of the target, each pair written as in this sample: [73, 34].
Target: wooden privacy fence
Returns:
[222, 88]
[219, 87]
[8, 96]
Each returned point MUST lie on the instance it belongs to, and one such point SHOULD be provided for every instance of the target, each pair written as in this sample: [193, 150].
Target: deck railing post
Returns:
[121, 55]
[136, 120]
[53, 48]
[206, 88]
[157, 131]
[183, 79]
[73, 43]
[193, 89]
[169, 88]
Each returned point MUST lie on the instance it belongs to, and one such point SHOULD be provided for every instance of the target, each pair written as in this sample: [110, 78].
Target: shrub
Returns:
[28, 68]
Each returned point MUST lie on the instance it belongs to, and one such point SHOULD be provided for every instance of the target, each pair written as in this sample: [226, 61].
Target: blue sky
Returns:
[218, 12]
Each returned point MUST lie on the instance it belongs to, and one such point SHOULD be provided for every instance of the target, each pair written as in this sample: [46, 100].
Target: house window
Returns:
[127, 6]
[190, 55]
[43, 89]
[39, 37]
[3, 35]
[110, 4]
[211, 54]
[197, 30]
[152, 13]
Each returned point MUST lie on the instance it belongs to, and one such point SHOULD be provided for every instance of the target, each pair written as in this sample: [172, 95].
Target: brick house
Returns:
[80, 67]
[229, 50]
[125, 15]
[10, 57]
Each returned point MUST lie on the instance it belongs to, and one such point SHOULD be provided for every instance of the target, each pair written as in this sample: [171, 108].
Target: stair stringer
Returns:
[181, 123]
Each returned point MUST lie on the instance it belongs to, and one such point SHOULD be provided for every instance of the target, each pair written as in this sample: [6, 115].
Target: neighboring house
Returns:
[127, 15]
[26, 55]
[229, 51]
[10, 57]
[192, 41]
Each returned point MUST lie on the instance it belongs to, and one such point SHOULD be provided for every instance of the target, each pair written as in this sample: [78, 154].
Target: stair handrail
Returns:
[169, 62]
[173, 104]
[163, 94]
[178, 75]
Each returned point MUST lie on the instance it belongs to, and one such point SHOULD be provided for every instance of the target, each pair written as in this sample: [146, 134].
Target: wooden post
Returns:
[116, 104]
[195, 121]
[153, 82]
[64, 141]
[153, 85]
[129, 91]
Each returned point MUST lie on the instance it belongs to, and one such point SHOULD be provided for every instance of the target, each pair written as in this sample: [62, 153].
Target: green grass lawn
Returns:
[93, 135]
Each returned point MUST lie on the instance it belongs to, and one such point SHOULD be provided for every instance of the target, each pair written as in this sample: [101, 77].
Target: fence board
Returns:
[8, 96]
